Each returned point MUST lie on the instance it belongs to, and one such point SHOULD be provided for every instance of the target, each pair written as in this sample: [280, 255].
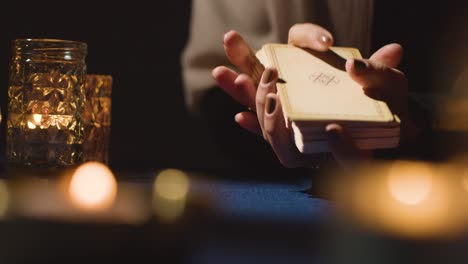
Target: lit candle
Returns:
[169, 194]
[405, 198]
[93, 186]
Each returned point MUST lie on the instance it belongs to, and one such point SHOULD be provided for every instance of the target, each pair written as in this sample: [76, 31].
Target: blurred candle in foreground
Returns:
[93, 186]
[465, 180]
[410, 185]
[405, 198]
[169, 194]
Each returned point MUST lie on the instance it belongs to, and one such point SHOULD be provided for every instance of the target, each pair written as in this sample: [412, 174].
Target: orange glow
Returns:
[37, 119]
[93, 186]
[410, 185]
[465, 181]
[31, 125]
[405, 198]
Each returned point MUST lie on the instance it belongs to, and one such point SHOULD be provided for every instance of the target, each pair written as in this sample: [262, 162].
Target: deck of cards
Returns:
[318, 91]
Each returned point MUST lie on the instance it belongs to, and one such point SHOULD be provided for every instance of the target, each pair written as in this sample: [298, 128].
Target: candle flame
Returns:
[37, 119]
[31, 125]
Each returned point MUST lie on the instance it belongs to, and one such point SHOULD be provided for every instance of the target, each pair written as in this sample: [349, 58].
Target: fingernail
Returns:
[332, 132]
[237, 117]
[270, 105]
[324, 39]
[267, 76]
[359, 65]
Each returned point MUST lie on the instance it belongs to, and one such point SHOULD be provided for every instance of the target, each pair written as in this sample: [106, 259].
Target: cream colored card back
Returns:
[318, 88]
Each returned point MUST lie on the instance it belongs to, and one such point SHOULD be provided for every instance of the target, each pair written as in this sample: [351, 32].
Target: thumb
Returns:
[343, 148]
[380, 82]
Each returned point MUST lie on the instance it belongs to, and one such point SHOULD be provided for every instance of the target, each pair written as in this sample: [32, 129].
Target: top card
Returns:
[319, 89]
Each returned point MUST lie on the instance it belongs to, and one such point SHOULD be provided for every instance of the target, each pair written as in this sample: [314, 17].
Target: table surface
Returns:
[227, 219]
[247, 220]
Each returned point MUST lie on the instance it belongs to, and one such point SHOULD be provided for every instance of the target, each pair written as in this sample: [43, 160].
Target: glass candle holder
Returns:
[97, 119]
[46, 103]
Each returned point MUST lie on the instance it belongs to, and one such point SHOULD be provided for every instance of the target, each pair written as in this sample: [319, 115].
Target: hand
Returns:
[243, 88]
[376, 77]
[382, 81]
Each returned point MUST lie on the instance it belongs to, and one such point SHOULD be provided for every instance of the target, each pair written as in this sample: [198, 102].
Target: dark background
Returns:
[139, 44]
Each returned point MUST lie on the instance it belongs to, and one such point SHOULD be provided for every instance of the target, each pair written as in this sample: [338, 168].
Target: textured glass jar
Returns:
[97, 121]
[46, 103]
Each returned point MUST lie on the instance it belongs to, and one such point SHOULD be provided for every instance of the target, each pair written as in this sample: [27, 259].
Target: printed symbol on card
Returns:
[324, 79]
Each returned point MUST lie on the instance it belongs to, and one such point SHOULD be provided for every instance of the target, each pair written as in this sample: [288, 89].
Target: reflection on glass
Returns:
[46, 102]
[97, 119]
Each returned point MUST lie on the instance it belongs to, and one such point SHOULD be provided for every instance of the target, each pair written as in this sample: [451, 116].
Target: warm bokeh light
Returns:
[172, 184]
[170, 191]
[410, 185]
[465, 181]
[405, 198]
[4, 198]
[93, 186]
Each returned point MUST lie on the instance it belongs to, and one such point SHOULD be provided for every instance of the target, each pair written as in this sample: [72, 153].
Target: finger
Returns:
[249, 122]
[343, 148]
[266, 86]
[242, 56]
[380, 82]
[367, 74]
[311, 36]
[390, 55]
[278, 135]
[226, 79]
[248, 88]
